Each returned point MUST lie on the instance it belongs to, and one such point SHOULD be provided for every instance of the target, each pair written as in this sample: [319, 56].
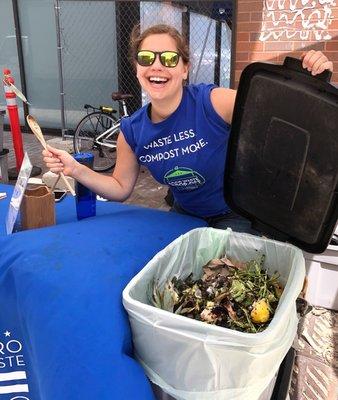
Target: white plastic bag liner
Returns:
[192, 360]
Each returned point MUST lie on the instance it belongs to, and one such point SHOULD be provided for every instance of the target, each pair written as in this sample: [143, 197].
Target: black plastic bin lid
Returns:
[282, 163]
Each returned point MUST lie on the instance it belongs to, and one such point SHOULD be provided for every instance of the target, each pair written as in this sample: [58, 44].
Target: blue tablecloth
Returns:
[63, 331]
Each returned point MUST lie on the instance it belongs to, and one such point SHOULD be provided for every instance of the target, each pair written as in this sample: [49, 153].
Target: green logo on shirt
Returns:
[184, 179]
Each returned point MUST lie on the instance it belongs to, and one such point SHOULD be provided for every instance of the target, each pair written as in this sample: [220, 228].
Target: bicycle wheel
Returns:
[86, 132]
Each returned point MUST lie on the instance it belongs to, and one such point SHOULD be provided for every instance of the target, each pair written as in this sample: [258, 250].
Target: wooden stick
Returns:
[39, 135]
[55, 182]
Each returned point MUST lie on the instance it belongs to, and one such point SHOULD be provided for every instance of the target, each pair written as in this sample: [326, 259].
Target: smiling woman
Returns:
[181, 136]
[162, 64]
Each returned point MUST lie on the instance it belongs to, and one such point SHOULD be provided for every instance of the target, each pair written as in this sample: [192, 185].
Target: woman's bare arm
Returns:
[117, 187]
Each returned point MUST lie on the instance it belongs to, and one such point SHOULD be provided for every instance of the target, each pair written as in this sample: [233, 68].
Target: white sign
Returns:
[19, 190]
[12, 366]
[297, 19]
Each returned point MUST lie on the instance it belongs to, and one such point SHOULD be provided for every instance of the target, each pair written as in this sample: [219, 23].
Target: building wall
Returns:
[269, 30]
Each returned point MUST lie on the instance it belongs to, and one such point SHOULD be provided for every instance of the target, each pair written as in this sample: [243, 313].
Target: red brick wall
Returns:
[269, 30]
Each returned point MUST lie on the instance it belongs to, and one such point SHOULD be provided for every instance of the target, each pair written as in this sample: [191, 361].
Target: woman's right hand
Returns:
[59, 161]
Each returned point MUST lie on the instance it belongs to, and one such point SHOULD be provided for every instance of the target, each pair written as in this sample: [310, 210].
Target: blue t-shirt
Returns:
[186, 151]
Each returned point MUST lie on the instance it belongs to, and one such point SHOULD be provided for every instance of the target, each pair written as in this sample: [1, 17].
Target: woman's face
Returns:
[158, 81]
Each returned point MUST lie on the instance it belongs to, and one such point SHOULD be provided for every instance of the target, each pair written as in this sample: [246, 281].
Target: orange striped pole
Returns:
[14, 120]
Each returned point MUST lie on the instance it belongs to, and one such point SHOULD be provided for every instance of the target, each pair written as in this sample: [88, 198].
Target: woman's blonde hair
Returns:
[136, 39]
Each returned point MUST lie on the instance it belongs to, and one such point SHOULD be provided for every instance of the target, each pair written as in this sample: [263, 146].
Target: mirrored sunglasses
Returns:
[145, 58]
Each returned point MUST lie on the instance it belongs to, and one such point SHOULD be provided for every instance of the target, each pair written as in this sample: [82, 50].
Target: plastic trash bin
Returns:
[192, 360]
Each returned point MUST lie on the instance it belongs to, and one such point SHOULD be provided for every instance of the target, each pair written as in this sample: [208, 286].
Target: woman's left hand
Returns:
[316, 62]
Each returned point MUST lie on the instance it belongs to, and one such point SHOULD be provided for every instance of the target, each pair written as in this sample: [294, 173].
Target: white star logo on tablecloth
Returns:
[7, 334]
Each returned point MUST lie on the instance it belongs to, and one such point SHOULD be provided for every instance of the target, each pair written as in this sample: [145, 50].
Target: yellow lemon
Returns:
[260, 312]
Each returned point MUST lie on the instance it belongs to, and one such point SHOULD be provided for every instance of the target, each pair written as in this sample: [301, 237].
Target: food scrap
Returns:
[235, 295]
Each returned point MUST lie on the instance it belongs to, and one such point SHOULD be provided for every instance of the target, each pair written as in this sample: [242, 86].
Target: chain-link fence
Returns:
[75, 52]
[94, 41]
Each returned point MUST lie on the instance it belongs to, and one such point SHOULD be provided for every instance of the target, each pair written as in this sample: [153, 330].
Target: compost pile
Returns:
[235, 295]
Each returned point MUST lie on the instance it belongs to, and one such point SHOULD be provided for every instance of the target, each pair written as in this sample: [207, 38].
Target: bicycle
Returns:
[97, 132]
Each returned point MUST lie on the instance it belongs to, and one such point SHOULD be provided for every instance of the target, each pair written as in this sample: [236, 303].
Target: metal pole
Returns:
[20, 55]
[59, 51]
[233, 45]
[218, 53]
[186, 27]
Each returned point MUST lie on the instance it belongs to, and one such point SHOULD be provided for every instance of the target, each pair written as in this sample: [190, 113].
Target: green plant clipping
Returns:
[232, 294]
